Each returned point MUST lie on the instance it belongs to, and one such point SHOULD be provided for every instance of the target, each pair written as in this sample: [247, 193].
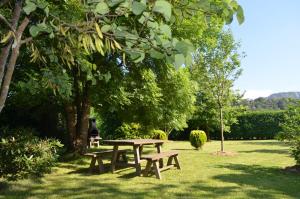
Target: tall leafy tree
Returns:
[218, 60]
[83, 36]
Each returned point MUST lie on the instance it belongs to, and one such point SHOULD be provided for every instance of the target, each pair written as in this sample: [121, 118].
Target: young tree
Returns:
[220, 60]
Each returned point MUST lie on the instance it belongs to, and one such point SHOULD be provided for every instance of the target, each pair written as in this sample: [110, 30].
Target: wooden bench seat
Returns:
[99, 155]
[153, 162]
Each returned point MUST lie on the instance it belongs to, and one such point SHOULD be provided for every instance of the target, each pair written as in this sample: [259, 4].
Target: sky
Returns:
[270, 37]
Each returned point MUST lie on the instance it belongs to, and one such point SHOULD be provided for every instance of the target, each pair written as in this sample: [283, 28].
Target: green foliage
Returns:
[256, 125]
[159, 134]
[178, 98]
[198, 138]
[217, 66]
[129, 131]
[24, 156]
[291, 131]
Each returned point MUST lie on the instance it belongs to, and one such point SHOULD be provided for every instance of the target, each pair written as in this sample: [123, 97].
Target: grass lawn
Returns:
[254, 173]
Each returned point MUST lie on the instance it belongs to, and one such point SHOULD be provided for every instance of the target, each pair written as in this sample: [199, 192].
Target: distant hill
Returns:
[292, 95]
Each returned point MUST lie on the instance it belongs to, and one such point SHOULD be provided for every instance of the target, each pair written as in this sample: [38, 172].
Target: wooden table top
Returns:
[132, 142]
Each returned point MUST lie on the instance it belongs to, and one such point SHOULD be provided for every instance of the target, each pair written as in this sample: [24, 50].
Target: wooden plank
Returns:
[136, 152]
[170, 160]
[167, 167]
[157, 170]
[177, 162]
[148, 168]
[100, 165]
[158, 156]
[92, 164]
[161, 161]
[114, 158]
[132, 142]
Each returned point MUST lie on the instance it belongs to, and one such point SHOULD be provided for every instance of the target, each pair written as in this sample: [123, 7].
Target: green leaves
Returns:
[42, 27]
[29, 7]
[163, 7]
[185, 47]
[240, 15]
[138, 7]
[32, 5]
[179, 60]
[102, 8]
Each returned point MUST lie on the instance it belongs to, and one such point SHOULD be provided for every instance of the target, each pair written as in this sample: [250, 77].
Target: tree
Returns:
[220, 60]
[12, 37]
[178, 98]
[83, 36]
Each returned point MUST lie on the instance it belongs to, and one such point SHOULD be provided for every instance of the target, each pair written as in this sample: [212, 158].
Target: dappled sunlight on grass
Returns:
[254, 173]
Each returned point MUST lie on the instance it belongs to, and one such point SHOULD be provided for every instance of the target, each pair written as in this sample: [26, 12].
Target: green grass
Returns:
[254, 173]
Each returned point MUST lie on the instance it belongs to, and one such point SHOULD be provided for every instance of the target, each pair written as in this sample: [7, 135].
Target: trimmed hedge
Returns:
[256, 125]
[198, 138]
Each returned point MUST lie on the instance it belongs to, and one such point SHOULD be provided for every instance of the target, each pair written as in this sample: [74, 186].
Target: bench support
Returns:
[153, 165]
[97, 157]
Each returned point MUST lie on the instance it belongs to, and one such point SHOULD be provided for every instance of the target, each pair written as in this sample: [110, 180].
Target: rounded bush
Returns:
[198, 138]
[159, 135]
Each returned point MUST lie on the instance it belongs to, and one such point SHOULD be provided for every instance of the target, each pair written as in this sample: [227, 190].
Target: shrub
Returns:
[159, 134]
[129, 131]
[291, 131]
[295, 150]
[24, 156]
[198, 138]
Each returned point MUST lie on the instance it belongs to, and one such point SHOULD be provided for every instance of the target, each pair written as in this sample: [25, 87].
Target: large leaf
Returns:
[179, 60]
[155, 54]
[163, 7]
[34, 31]
[240, 15]
[29, 7]
[102, 8]
[166, 30]
[184, 47]
[138, 7]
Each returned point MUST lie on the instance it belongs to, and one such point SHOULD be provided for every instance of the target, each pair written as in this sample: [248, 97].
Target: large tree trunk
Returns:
[77, 114]
[84, 126]
[222, 129]
[71, 125]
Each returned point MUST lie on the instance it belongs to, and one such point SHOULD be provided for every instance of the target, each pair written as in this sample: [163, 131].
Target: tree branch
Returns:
[22, 27]
[3, 19]
[3, 2]
[27, 40]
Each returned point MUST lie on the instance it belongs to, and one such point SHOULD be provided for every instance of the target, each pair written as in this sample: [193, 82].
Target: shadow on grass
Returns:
[186, 149]
[86, 189]
[3, 186]
[278, 151]
[264, 181]
[264, 143]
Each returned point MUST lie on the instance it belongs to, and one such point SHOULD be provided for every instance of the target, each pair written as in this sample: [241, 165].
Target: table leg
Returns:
[141, 150]
[114, 158]
[161, 162]
[137, 160]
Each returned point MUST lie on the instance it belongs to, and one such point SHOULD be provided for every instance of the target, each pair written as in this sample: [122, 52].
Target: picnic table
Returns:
[137, 145]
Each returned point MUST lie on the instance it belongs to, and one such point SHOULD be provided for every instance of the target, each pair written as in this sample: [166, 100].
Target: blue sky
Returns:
[270, 37]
